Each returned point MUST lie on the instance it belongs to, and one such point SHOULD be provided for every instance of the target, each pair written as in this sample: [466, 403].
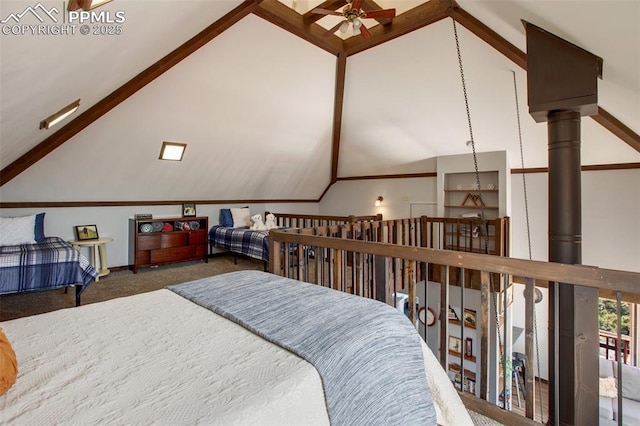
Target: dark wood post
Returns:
[562, 86]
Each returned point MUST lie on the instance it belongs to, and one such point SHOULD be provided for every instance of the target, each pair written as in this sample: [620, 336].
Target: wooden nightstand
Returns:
[97, 253]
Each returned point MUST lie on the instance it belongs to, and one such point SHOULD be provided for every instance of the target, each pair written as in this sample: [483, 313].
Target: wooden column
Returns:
[562, 86]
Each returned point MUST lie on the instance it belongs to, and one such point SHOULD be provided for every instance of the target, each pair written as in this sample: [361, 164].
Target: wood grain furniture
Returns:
[167, 240]
[97, 253]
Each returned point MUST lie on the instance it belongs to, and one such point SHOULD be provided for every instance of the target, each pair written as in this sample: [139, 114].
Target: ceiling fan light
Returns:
[344, 27]
[356, 30]
[357, 23]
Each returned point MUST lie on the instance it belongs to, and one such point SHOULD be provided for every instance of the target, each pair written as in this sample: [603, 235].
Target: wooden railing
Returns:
[291, 220]
[376, 259]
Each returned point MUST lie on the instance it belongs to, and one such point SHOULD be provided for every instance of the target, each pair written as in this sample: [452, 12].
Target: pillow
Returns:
[630, 382]
[8, 364]
[226, 218]
[608, 387]
[241, 217]
[17, 230]
[38, 232]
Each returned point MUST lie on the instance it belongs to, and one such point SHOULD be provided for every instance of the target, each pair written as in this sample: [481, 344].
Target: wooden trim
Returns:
[290, 20]
[586, 168]
[616, 127]
[338, 103]
[395, 176]
[125, 91]
[493, 411]
[414, 19]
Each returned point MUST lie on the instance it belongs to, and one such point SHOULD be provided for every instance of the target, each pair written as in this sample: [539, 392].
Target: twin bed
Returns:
[29, 261]
[242, 348]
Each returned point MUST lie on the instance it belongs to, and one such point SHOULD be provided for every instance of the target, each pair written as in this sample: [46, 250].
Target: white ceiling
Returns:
[255, 105]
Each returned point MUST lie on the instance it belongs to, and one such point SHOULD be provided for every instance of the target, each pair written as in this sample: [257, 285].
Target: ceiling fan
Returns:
[353, 15]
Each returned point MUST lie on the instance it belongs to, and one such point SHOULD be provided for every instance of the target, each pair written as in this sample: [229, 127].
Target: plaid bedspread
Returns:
[254, 244]
[49, 264]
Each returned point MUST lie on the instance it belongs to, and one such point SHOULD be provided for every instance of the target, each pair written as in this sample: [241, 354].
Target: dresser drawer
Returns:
[172, 254]
[174, 239]
[148, 242]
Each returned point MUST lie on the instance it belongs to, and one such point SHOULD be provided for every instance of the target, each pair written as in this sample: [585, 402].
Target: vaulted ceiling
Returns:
[273, 107]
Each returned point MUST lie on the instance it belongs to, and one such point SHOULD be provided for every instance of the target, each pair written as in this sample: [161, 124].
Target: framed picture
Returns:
[452, 314]
[188, 209]
[86, 232]
[468, 346]
[455, 344]
[469, 318]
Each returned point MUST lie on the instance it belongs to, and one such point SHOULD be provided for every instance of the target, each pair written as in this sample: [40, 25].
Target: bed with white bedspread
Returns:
[207, 352]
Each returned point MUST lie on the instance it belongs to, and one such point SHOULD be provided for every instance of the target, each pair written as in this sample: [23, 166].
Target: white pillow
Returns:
[241, 217]
[630, 382]
[608, 387]
[17, 230]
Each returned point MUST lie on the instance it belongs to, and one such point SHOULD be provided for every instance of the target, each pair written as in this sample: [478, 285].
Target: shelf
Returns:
[466, 325]
[467, 357]
[467, 373]
[471, 207]
[470, 190]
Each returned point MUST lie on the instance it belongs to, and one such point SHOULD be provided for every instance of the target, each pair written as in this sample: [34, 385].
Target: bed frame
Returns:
[252, 241]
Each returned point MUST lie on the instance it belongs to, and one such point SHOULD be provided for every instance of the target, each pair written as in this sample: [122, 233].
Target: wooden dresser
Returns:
[165, 240]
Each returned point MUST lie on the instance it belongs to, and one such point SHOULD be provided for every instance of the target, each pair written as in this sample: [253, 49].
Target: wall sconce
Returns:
[60, 115]
[172, 151]
[378, 201]
[85, 5]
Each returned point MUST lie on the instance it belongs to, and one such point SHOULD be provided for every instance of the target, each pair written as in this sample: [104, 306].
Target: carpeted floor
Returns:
[119, 284]
[125, 283]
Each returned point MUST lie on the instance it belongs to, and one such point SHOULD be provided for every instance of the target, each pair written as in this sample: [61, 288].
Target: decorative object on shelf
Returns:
[468, 347]
[475, 186]
[537, 295]
[189, 210]
[157, 226]
[86, 232]
[470, 386]
[452, 314]
[458, 187]
[378, 201]
[455, 344]
[194, 225]
[146, 228]
[167, 227]
[427, 316]
[476, 199]
[491, 187]
[469, 318]
[140, 216]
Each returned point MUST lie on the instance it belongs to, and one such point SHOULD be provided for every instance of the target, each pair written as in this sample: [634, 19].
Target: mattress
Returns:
[166, 360]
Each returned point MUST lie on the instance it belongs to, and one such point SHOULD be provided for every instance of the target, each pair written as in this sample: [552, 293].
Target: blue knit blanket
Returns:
[368, 354]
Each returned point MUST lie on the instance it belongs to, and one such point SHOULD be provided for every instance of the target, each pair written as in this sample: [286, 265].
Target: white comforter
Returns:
[157, 358]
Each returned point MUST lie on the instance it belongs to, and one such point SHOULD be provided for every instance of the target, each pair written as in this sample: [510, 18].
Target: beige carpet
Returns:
[119, 284]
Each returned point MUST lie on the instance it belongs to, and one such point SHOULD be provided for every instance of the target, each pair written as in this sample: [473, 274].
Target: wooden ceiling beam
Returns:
[519, 57]
[416, 18]
[338, 103]
[125, 91]
[310, 18]
[291, 21]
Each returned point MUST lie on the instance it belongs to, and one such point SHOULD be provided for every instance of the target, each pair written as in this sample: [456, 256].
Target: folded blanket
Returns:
[8, 364]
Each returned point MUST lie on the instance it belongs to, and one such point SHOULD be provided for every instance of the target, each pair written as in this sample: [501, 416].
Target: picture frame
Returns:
[188, 209]
[468, 347]
[469, 318]
[86, 232]
[455, 344]
[452, 314]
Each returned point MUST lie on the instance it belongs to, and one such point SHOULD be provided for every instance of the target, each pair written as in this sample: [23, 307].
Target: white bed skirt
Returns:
[157, 358]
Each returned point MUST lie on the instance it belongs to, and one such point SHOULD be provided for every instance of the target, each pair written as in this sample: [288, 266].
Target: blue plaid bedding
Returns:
[254, 244]
[49, 264]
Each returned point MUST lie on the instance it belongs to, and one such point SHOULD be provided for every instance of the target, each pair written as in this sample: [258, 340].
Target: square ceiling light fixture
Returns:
[60, 115]
[172, 151]
[85, 4]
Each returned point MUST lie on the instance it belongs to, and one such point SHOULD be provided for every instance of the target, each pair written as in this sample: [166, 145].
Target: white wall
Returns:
[114, 221]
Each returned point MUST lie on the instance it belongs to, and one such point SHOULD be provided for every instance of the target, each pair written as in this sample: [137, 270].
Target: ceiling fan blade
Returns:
[356, 4]
[364, 32]
[333, 30]
[325, 12]
[383, 13]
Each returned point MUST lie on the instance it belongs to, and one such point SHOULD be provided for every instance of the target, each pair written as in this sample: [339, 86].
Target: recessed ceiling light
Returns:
[60, 115]
[172, 151]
